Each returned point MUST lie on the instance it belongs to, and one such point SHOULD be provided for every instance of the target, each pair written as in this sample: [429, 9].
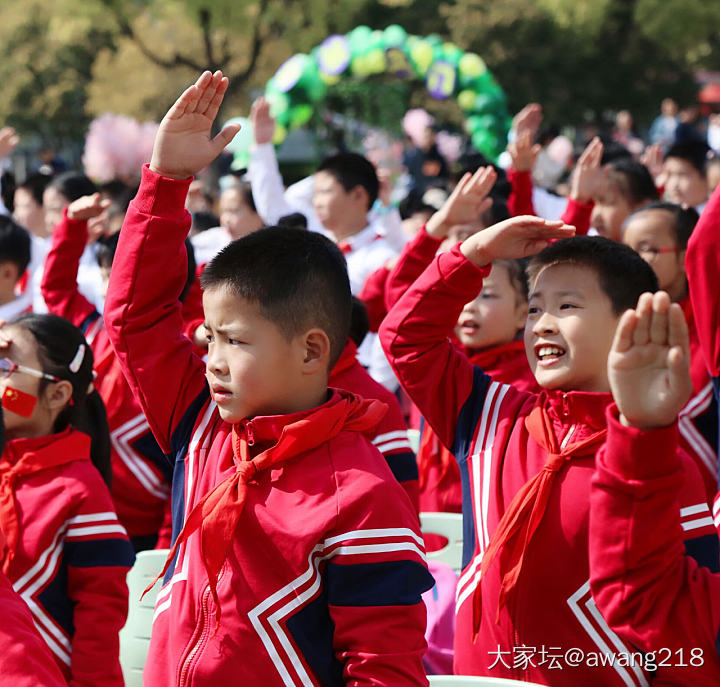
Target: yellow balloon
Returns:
[280, 134]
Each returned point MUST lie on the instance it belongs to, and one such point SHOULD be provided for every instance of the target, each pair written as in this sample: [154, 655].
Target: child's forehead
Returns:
[566, 276]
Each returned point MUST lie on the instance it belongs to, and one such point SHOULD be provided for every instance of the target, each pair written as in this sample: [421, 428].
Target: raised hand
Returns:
[466, 203]
[263, 123]
[516, 237]
[523, 152]
[87, 207]
[588, 176]
[8, 140]
[183, 145]
[649, 363]
[652, 158]
[528, 120]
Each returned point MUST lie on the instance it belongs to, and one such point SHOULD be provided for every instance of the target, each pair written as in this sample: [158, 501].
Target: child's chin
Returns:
[228, 415]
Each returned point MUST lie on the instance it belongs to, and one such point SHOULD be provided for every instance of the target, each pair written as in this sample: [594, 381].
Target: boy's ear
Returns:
[58, 394]
[360, 194]
[316, 345]
[9, 271]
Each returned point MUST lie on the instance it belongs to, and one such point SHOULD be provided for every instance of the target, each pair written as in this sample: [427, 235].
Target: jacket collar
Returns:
[581, 412]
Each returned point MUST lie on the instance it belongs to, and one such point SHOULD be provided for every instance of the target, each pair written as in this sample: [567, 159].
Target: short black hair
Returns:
[204, 220]
[351, 170]
[693, 151]
[244, 188]
[683, 220]
[634, 181]
[14, 244]
[297, 278]
[359, 322]
[413, 202]
[294, 219]
[35, 185]
[73, 185]
[622, 274]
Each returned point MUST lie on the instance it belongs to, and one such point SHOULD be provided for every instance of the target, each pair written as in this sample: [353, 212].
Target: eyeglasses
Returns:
[650, 253]
[7, 367]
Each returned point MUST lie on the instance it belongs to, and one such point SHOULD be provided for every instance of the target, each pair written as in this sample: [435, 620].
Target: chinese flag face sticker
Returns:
[18, 402]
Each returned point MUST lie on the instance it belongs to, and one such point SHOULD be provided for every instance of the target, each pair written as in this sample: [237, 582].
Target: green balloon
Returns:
[243, 139]
[394, 36]
[486, 142]
[300, 114]
[451, 53]
[359, 38]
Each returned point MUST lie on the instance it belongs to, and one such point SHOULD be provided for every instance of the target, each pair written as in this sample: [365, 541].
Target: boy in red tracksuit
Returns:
[297, 557]
[391, 438]
[523, 599]
[140, 485]
[651, 593]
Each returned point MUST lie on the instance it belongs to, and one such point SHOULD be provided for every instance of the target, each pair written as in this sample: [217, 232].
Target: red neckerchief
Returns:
[27, 456]
[488, 358]
[525, 512]
[217, 514]
[346, 360]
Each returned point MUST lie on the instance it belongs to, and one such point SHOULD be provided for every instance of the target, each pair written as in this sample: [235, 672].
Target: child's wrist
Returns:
[437, 226]
[168, 175]
[477, 255]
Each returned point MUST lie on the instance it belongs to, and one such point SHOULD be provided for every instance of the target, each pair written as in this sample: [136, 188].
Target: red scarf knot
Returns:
[523, 516]
[217, 514]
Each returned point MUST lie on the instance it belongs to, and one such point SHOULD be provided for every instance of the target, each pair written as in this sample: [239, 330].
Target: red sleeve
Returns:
[648, 589]
[437, 377]
[416, 255]
[143, 314]
[98, 556]
[25, 660]
[521, 187]
[578, 214]
[373, 296]
[59, 284]
[375, 583]
[701, 266]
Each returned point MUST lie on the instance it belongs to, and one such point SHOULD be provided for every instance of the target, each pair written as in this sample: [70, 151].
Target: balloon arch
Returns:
[448, 71]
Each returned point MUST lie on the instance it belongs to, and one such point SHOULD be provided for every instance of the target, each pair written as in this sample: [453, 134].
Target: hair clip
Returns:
[77, 361]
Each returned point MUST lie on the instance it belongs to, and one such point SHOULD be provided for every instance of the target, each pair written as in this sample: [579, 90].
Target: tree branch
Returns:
[238, 80]
[126, 29]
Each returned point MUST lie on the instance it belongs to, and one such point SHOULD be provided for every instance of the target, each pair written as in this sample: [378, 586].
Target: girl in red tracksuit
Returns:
[650, 592]
[486, 332]
[659, 232]
[66, 553]
[141, 478]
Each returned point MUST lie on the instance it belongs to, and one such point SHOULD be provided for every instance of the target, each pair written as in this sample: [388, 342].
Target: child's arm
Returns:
[414, 334]
[142, 311]
[419, 252]
[650, 592]
[265, 179]
[59, 283]
[701, 266]
[523, 154]
[98, 556]
[586, 178]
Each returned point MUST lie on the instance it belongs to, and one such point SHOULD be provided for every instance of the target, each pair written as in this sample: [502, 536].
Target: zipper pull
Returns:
[566, 410]
[250, 432]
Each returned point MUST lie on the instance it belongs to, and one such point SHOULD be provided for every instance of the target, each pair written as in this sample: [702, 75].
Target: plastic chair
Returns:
[135, 636]
[468, 681]
[414, 439]
[448, 525]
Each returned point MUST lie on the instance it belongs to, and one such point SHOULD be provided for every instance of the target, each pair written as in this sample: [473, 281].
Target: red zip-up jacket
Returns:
[391, 437]
[653, 595]
[322, 584]
[72, 557]
[649, 590]
[25, 660]
[484, 422]
[140, 474]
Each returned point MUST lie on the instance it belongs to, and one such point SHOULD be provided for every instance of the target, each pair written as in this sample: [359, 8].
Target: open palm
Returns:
[183, 145]
[649, 363]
